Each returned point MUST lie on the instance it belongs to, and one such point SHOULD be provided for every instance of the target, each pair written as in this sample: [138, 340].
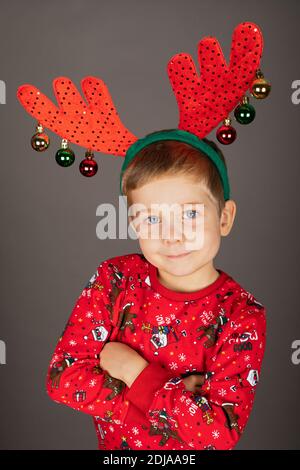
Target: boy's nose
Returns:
[172, 233]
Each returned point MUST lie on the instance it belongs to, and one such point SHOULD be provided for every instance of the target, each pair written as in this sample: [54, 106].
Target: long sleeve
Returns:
[216, 416]
[74, 376]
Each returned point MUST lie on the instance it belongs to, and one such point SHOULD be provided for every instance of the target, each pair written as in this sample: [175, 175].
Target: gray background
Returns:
[49, 247]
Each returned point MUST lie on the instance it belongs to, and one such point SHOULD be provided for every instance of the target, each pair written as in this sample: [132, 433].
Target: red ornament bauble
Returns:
[88, 166]
[226, 134]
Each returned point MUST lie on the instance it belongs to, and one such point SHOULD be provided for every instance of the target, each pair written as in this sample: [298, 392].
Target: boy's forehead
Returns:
[170, 191]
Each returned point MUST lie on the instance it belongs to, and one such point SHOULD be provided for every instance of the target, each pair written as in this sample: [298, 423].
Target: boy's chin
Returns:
[178, 267]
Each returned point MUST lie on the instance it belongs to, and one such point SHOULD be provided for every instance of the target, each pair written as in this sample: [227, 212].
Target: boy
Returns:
[162, 349]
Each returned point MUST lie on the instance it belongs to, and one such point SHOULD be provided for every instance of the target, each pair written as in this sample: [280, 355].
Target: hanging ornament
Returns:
[40, 141]
[226, 134]
[260, 88]
[88, 166]
[65, 156]
[244, 113]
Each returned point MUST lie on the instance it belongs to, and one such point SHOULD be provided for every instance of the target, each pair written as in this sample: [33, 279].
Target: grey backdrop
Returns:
[49, 245]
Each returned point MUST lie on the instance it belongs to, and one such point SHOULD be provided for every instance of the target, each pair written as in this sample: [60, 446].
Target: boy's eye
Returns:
[151, 217]
[192, 214]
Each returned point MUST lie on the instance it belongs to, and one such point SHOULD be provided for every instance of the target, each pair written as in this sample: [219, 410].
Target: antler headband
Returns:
[204, 100]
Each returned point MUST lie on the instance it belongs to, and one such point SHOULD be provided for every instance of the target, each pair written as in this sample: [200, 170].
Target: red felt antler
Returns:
[206, 100]
[95, 125]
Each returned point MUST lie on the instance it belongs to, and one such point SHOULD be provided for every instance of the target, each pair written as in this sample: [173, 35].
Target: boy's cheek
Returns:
[150, 247]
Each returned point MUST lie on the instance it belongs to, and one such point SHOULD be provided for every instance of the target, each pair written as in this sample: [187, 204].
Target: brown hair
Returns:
[172, 157]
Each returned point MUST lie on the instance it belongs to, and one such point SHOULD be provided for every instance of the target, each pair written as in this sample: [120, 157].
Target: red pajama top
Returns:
[217, 332]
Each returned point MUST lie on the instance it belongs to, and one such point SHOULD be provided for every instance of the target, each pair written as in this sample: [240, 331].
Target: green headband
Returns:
[182, 136]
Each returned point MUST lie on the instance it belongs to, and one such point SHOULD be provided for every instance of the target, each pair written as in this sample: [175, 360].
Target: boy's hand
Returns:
[121, 362]
[194, 382]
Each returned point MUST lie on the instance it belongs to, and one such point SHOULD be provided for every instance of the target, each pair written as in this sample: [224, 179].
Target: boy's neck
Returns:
[198, 280]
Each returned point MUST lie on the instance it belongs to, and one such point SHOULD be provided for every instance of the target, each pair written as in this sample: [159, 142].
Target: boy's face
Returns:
[174, 215]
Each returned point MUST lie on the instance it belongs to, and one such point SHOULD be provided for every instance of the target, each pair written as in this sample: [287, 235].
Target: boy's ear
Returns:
[227, 217]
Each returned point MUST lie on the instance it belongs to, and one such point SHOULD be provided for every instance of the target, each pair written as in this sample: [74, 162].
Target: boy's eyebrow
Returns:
[182, 203]
[193, 202]
[149, 208]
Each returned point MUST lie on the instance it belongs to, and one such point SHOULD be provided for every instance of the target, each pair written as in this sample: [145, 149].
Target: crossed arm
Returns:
[124, 363]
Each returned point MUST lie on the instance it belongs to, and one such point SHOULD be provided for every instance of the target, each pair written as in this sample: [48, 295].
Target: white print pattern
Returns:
[222, 392]
[182, 357]
[86, 293]
[234, 325]
[173, 365]
[89, 314]
[206, 317]
[72, 342]
[135, 430]
[215, 434]
[138, 443]
[92, 383]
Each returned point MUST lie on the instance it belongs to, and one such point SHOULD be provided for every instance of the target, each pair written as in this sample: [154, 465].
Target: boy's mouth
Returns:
[179, 255]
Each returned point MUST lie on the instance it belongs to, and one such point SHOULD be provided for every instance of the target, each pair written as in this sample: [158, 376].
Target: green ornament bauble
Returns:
[65, 157]
[244, 113]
